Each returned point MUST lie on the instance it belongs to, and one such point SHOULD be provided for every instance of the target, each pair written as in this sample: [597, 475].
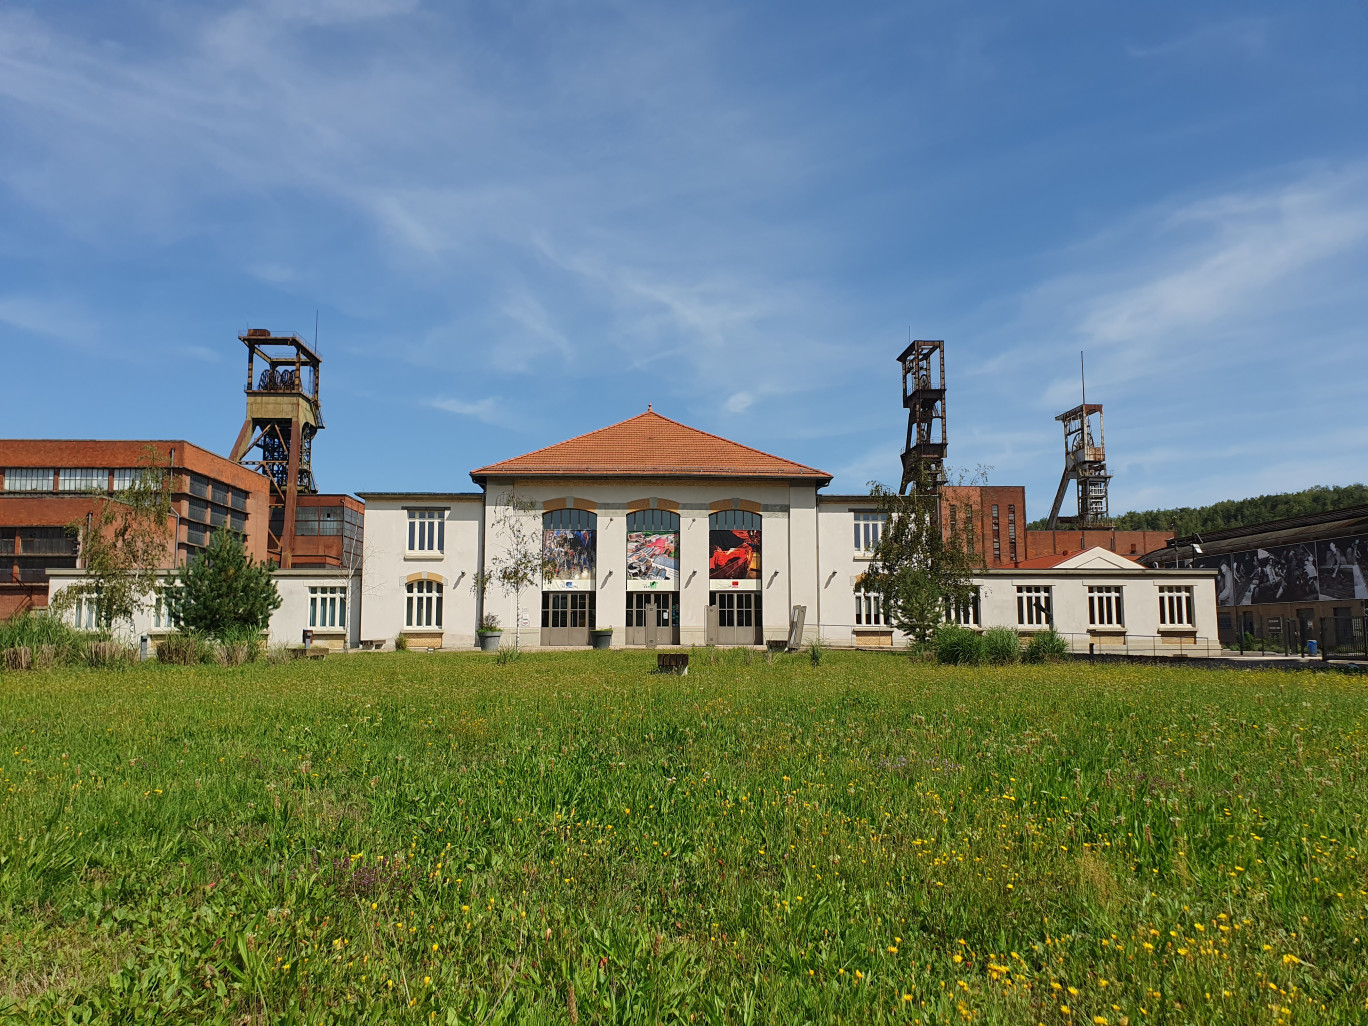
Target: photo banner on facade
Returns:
[570, 553]
[734, 555]
[1305, 572]
[653, 556]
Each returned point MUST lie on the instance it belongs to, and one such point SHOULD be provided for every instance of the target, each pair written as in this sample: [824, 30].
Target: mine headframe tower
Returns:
[277, 435]
[1085, 461]
[923, 387]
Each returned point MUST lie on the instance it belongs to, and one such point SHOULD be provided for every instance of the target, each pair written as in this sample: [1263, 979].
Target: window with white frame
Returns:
[1175, 606]
[965, 613]
[1104, 607]
[161, 609]
[28, 479]
[868, 609]
[868, 530]
[82, 479]
[85, 614]
[424, 604]
[1034, 605]
[328, 607]
[126, 477]
[427, 530]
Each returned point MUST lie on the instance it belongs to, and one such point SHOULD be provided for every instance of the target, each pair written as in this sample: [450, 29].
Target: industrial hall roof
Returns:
[649, 445]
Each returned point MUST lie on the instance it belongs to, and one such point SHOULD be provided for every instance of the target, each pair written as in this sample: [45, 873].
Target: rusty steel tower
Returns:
[276, 439]
[1085, 461]
[923, 387]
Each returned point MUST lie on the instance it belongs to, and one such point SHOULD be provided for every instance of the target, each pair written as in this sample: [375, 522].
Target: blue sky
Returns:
[518, 222]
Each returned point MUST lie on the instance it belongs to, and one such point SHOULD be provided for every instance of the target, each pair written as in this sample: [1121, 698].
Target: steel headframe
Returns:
[276, 440]
[1085, 461]
[923, 388]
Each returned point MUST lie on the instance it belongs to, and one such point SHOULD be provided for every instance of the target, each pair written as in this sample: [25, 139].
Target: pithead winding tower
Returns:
[1085, 461]
[923, 386]
[276, 439]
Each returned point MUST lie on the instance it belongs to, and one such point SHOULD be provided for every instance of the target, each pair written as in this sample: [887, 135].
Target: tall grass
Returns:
[420, 838]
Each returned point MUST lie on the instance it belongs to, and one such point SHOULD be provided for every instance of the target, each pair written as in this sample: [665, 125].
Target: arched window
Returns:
[569, 543]
[653, 545]
[734, 540]
[424, 607]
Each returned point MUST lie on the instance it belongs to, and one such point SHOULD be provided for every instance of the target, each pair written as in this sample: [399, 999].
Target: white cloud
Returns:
[739, 402]
[47, 317]
[488, 410]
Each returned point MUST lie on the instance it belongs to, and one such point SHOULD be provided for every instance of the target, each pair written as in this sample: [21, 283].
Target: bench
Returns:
[672, 662]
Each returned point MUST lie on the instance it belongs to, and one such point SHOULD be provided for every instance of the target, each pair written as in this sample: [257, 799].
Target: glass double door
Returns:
[567, 617]
[652, 618]
[734, 618]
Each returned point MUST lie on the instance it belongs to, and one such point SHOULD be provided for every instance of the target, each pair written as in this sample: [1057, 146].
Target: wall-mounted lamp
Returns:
[830, 577]
[692, 575]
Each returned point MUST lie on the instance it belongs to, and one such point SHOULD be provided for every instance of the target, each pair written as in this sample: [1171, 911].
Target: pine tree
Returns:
[224, 590]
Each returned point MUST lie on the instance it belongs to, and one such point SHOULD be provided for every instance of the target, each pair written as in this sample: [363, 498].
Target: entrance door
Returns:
[652, 618]
[734, 618]
[567, 617]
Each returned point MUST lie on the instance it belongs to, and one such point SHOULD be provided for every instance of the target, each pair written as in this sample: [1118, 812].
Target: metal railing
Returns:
[1149, 646]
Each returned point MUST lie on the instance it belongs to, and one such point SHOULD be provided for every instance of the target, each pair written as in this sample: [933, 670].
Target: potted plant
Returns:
[601, 637]
[489, 632]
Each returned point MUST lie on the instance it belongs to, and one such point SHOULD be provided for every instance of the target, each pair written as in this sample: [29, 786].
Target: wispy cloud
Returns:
[1244, 36]
[489, 410]
[47, 318]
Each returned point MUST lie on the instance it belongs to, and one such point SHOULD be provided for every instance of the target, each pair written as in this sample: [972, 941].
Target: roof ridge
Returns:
[650, 415]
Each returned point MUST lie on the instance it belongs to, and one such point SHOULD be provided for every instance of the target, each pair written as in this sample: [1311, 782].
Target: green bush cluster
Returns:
[39, 640]
[236, 646]
[958, 646]
[1001, 646]
[1047, 646]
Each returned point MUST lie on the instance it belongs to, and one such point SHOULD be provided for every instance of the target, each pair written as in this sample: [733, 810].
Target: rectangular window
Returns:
[427, 530]
[423, 604]
[997, 536]
[1011, 533]
[868, 530]
[125, 478]
[868, 609]
[28, 479]
[327, 607]
[1104, 607]
[199, 486]
[1034, 607]
[964, 613]
[1175, 606]
[954, 520]
[82, 479]
[555, 609]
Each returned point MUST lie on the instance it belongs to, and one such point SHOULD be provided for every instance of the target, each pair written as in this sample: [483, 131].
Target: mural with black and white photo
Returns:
[1306, 572]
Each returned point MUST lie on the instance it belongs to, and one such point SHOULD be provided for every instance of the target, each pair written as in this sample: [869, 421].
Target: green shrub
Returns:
[242, 645]
[1001, 646]
[186, 648]
[1047, 646]
[400, 643]
[958, 646]
[815, 651]
[48, 638]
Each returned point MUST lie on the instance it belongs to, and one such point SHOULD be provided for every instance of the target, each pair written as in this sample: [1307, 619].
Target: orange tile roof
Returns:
[650, 445]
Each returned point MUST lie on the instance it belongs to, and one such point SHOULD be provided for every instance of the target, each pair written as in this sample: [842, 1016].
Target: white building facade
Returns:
[673, 536]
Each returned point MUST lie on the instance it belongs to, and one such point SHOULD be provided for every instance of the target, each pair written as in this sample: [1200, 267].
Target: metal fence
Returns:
[1150, 646]
[1334, 636]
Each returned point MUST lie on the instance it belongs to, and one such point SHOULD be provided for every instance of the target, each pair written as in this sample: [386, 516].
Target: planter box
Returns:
[601, 639]
[490, 642]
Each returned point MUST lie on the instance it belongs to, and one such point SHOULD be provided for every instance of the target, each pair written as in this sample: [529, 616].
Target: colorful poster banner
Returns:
[734, 555]
[571, 554]
[652, 556]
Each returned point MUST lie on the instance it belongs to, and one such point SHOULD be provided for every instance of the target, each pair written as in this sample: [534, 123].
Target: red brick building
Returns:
[997, 515]
[47, 484]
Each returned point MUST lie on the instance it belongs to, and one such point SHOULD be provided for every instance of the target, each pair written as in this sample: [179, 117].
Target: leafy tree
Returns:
[521, 562]
[125, 543]
[918, 567]
[224, 590]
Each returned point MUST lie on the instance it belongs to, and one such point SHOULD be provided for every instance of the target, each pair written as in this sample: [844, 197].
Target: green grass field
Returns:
[570, 838]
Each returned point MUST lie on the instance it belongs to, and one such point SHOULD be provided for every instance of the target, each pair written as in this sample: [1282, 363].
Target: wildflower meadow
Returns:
[572, 838]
